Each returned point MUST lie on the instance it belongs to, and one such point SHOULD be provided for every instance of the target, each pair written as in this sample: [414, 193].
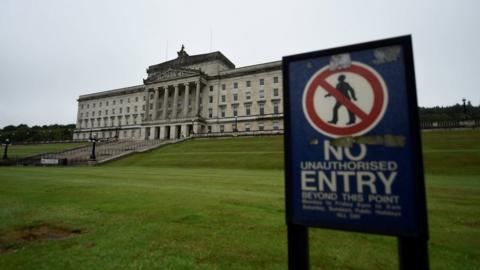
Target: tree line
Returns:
[24, 133]
[450, 113]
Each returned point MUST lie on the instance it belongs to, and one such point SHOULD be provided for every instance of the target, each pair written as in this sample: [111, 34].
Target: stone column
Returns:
[162, 133]
[147, 105]
[175, 101]
[185, 101]
[197, 99]
[165, 98]
[156, 93]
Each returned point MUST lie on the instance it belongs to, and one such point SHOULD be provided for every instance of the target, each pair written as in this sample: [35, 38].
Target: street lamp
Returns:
[464, 108]
[94, 140]
[236, 124]
[193, 129]
[7, 142]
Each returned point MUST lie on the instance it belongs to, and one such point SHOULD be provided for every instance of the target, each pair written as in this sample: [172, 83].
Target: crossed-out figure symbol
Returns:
[346, 90]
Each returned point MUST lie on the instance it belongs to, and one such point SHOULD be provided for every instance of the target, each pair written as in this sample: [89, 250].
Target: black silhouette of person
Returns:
[346, 90]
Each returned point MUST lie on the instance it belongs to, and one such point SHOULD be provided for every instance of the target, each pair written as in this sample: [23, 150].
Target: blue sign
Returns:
[352, 140]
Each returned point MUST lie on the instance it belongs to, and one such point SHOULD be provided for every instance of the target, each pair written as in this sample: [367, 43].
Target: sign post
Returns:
[352, 147]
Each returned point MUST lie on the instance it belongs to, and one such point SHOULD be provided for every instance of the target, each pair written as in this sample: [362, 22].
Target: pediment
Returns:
[171, 74]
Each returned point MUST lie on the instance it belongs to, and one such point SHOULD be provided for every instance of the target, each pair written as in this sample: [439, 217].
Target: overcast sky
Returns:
[52, 51]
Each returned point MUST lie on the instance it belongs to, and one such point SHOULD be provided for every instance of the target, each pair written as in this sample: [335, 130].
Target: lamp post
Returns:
[7, 142]
[94, 140]
[464, 109]
[236, 124]
[193, 129]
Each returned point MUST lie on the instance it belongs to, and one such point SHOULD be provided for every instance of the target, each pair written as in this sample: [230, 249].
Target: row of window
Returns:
[107, 103]
[108, 122]
[113, 111]
[248, 110]
[248, 96]
[248, 83]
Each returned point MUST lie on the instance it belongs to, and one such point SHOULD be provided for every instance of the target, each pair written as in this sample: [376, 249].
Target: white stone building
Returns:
[191, 95]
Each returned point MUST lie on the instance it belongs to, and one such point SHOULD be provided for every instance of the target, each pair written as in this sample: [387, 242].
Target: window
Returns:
[106, 103]
[81, 106]
[248, 95]
[262, 109]
[261, 126]
[275, 108]
[99, 113]
[247, 109]
[114, 102]
[211, 88]
[222, 128]
[88, 106]
[143, 98]
[151, 106]
[81, 115]
[210, 99]
[135, 108]
[136, 99]
[209, 129]
[235, 85]
[121, 101]
[100, 105]
[235, 97]
[261, 94]
[113, 111]
[128, 109]
[275, 92]
[93, 113]
[223, 112]
[223, 98]
[247, 127]
[223, 86]
[94, 105]
[248, 83]
[276, 125]
[275, 79]
[128, 100]
[235, 110]
[121, 110]
[262, 82]
[210, 112]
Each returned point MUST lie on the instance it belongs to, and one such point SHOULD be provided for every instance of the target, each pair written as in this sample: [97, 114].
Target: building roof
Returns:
[184, 59]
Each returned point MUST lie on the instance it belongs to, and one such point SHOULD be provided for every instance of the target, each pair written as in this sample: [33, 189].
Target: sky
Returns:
[52, 51]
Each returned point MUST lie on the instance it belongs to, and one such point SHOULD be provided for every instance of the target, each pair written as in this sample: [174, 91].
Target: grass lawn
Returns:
[21, 151]
[217, 204]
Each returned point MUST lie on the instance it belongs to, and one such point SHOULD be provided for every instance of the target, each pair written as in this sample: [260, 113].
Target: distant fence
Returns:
[453, 124]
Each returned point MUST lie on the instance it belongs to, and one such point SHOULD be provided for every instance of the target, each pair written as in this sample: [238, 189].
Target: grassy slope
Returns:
[20, 151]
[218, 204]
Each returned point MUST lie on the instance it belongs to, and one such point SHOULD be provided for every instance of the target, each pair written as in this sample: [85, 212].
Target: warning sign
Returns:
[345, 102]
[352, 152]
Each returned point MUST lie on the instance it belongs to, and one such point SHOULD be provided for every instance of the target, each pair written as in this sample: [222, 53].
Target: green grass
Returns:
[218, 204]
[21, 151]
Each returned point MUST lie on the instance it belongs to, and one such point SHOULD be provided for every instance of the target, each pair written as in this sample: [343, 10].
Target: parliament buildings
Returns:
[200, 95]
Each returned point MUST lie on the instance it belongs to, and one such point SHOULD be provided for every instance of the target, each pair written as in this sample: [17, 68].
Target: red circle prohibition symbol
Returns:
[368, 119]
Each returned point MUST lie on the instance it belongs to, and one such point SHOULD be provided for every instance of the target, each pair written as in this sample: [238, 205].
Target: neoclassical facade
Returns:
[190, 95]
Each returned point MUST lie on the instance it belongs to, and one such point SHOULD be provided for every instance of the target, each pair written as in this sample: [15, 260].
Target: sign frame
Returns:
[418, 196]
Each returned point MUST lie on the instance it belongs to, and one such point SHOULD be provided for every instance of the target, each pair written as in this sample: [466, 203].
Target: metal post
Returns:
[92, 155]
[413, 253]
[298, 257]
[464, 109]
[7, 142]
[236, 124]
